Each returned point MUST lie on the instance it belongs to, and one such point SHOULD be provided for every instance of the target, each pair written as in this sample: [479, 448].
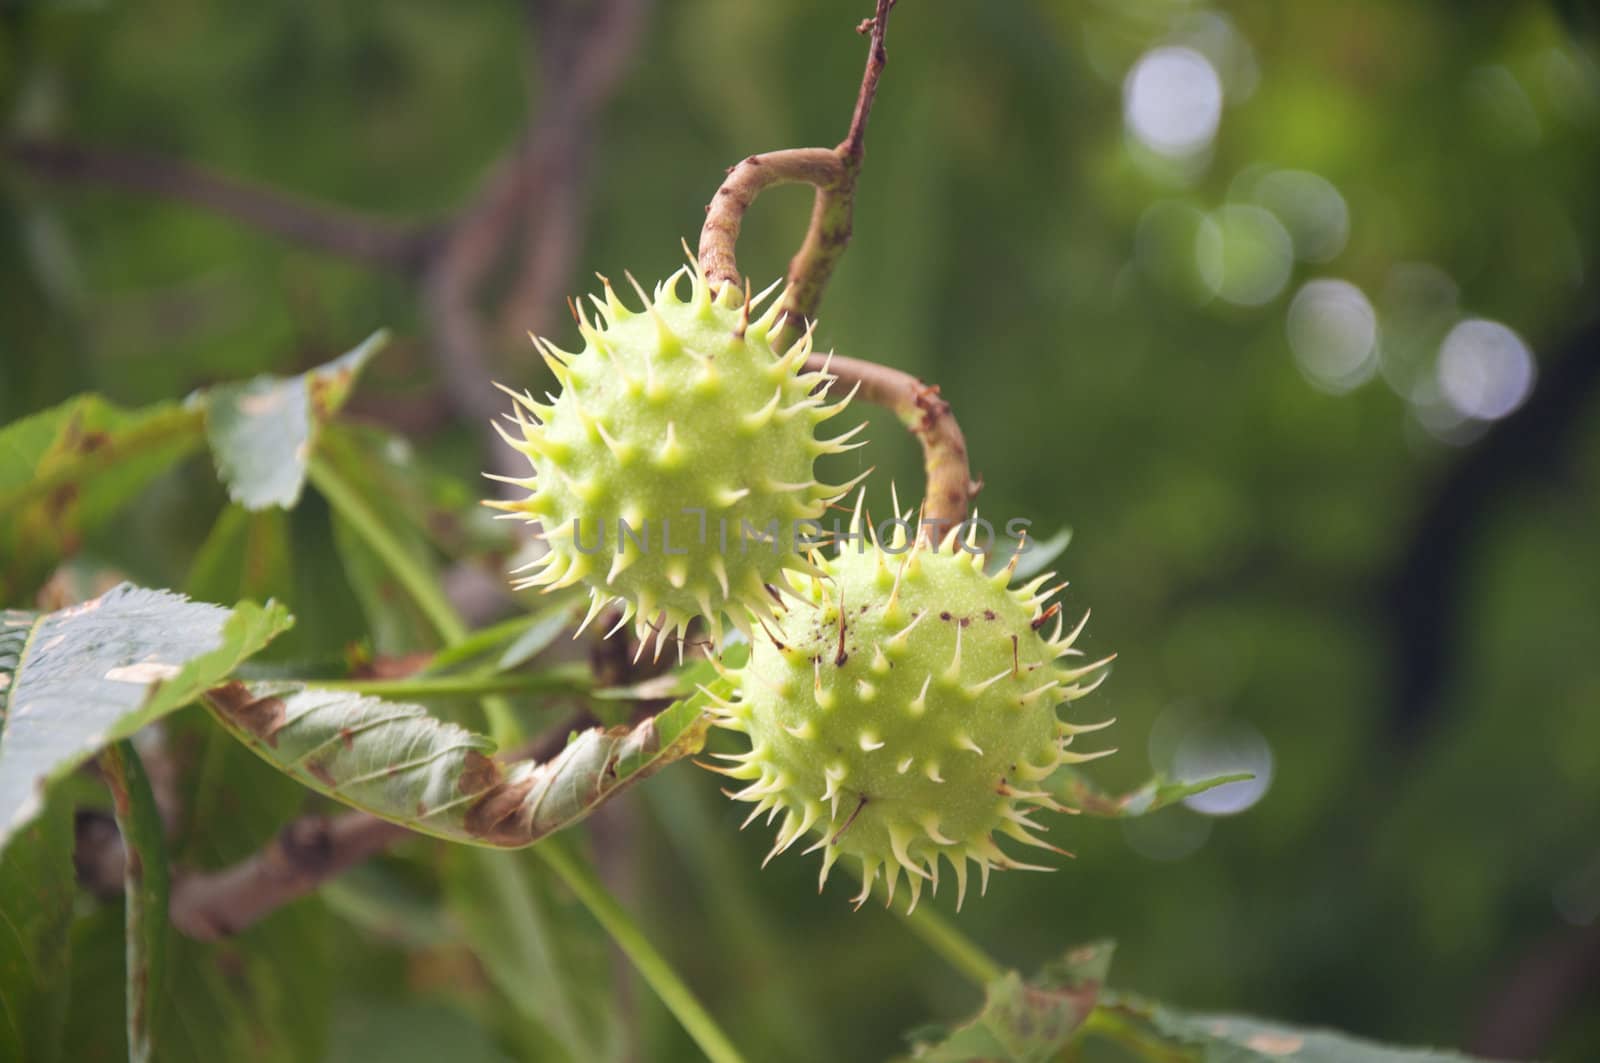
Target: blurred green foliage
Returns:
[1241, 523]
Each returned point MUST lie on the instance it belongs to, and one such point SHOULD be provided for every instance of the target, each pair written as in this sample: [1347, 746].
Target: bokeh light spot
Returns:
[1485, 370]
[1333, 332]
[1224, 749]
[1172, 101]
[1311, 208]
[1245, 254]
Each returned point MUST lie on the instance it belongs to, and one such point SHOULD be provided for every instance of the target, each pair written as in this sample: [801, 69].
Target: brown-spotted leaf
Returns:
[1207, 1038]
[398, 762]
[262, 431]
[1024, 1021]
[70, 469]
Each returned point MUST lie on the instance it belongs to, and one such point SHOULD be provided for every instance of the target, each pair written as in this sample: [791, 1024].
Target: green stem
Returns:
[650, 963]
[941, 935]
[413, 577]
[503, 728]
[416, 580]
[573, 679]
[958, 950]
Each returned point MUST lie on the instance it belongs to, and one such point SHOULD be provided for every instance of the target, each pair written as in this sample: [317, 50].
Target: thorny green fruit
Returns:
[679, 439]
[904, 710]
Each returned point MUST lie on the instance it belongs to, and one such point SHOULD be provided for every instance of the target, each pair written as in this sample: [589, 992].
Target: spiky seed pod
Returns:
[904, 712]
[679, 438]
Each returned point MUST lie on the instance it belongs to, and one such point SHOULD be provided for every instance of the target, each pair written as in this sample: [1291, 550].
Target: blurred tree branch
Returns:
[1426, 587]
[337, 230]
[1546, 986]
[581, 50]
[309, 851]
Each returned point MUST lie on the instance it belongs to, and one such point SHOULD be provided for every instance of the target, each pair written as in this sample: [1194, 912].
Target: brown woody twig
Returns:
[821, 167]
[306, 853]
[833, 172]
[927, 415]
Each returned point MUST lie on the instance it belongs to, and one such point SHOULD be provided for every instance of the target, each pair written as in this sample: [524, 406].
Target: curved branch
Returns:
[333, 229]
[833, 172]
[921, 409]
[821, 167]
[833, 210]
[450, 282]
[305, 854]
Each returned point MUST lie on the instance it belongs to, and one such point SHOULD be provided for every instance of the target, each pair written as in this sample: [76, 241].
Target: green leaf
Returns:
[513, 642]
[397, 761]
[69, 469]
[74, 680]
[1209, 1038]
[262, 431]
[36, 897]
[1024, 1022]
[1072, 788]
[548, 626]
[246, 555]
[144, 894]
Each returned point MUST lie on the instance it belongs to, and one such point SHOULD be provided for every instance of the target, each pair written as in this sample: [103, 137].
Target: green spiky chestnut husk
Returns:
[904, 712]
[682, 420]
